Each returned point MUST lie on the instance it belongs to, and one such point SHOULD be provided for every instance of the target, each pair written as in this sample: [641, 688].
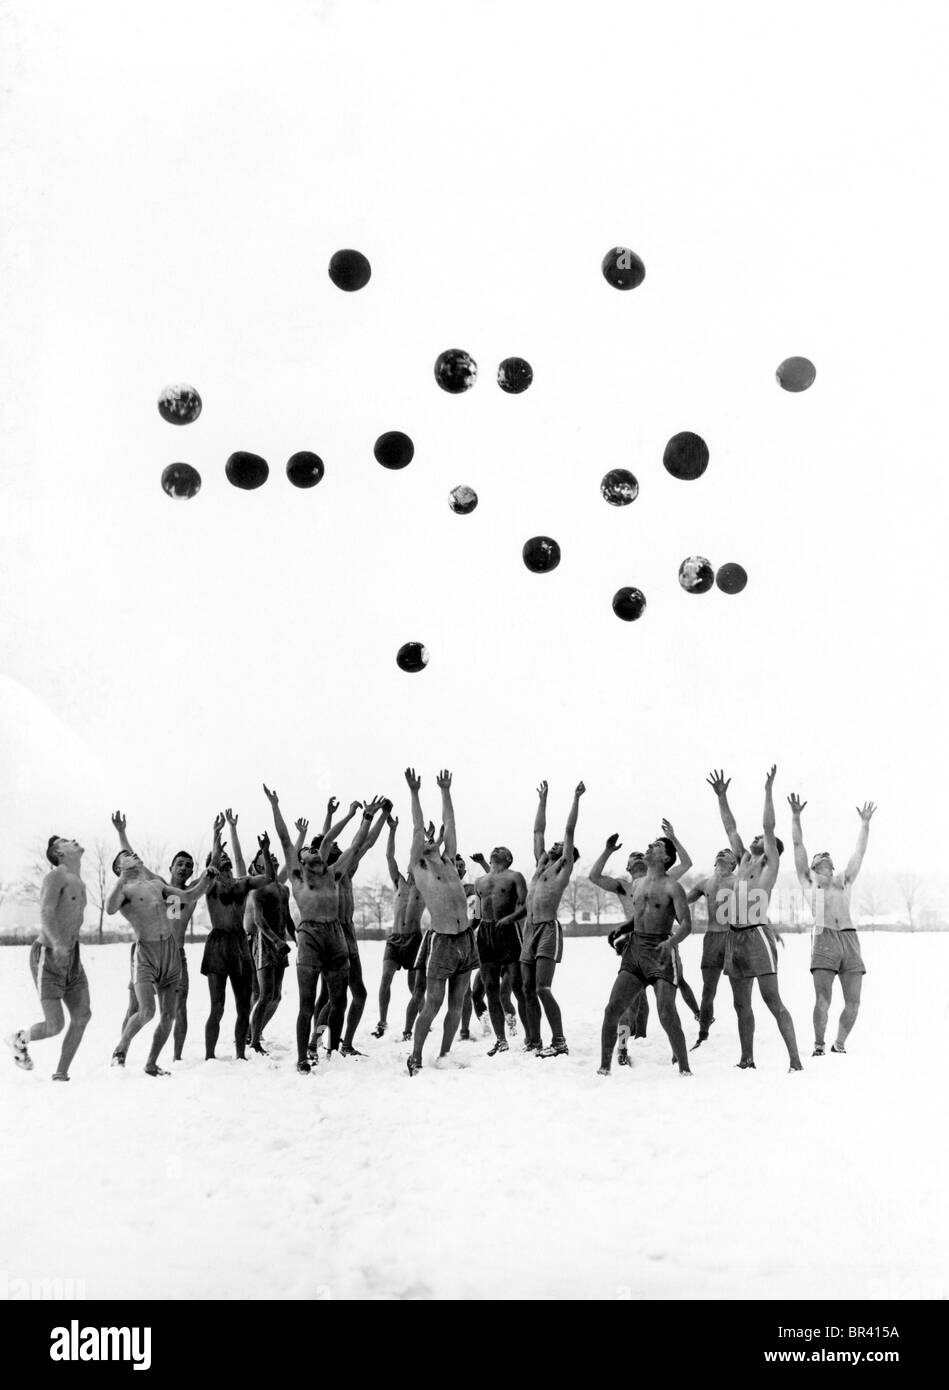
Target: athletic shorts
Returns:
[57, 974]
[226, 953]
[449, 956]
[750, 952]
[321, 946]
[498, 946]
[713, 950]
[542, 941]
[643, 959]
[403, 949]
[352, 945]
[157, 963]
[267, 954]
[838, 951]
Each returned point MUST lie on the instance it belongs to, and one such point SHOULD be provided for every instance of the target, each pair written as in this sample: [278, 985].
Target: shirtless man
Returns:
[347, 908]
[835, 949]
[180, 914]
[649, 956]
[321, 942]
[502, 903]
[227, 951]
[272, 927]
[452, 952]
[633, 1023]
[750, 949]
[402, 947]
[54, 959]
[718, 890]
[542, 950]
[510, 986]
[144, 899]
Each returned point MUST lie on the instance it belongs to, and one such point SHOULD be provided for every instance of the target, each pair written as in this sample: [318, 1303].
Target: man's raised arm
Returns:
[571, 827]
[118, 820]
[540, 821]
[720, 787]
[448, 814]
[596, 875]
[683, 917]
[685, 859]
[384, 807]
[418, 820]
[391, 864]
[801, 866]
[856, 859]
[347, 861]
[331, 835]
[332, 806]
[240, 868]
[767, 822]
[290, 855]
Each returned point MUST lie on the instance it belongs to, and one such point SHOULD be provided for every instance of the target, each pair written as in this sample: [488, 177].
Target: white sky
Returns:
[174, 179]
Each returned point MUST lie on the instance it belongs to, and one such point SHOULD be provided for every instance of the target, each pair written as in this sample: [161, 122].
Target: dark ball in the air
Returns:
[696, 574]
[731, 578]
[541, 554]
[515, 375]
[394, 449]
[305, 469]
[462, 499]
[686, 456]
[246, 471]
[181, 481]
[619, 487]
[412, 657]
[179, 405]
[629, 604]
[456, 371]
[796, 374]
[622, 268]
[349, 270]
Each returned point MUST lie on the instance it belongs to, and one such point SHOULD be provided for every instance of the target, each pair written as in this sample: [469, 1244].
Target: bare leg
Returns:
[181, 1022]
[491, 975]
[359, 994]
[307, 980]
[626, 989]
[669, 1018]
[517, 989]
[741, 992]
[217, 989]
[145, 994]
[77, 1002]
[688, 998]
[434, 995]
[768, 985]
[545, 977]
[823, 991]
[416, 998]
[531, 1005]
[851, 984]
[457, 986]
[389, 967]
[337, 981]
[53, 1021]
[265, 992]
[168, 1003]
[276, 995]
[710, 979]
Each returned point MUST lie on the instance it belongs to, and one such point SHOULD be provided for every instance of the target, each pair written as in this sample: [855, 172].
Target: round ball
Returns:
[456, 371]
[696, 575]
[394, 449]
[796, 374]
[179, 405]
[541, 554]
[515, 375]
[412, 657]
[246, 471]
[686, 456]
[181, 481]
[349, 270]
[619, 487]
[629, 604]
[305, 469]
[622, 268]
[462, 499]
[731, 578]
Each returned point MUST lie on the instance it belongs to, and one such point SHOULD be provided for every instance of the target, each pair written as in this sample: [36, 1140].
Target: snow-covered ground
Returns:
[504, 1177]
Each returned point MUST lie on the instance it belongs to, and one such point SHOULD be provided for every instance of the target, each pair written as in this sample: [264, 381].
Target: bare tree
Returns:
[97, 875]
[910, 887]
[873, 901]
[373, 900]
[578, 896]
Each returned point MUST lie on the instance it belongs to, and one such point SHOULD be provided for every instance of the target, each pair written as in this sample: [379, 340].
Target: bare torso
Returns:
[270, 907]
[226, 899]
[316, 893]
[719, 893]
[546, 890]
[497, 894]
[145, 909]
[63, 903]
[835, 904]
[653, 906]
[443, 894]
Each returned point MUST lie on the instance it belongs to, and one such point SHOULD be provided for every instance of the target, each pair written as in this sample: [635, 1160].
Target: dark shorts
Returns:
[403, 949]
[56, 974]
[449, 956]
[498, 946]
[838, 951]
[157, 963]
[713, 950]
[750, 952]
[542, 941]
[643, 959]
[321, 946]
[267, 954]
[226, 953]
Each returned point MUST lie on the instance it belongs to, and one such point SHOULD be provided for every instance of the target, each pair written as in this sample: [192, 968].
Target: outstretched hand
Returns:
[542, 791]
[796, 804]
[717, 782]
[866, 811]
[443, 779]
[219, 822]
[614, 843]
[393, 821]
[769, 780]
[413, 781]
[264, 842]
[580, 789]
[332, 805]
[667, 829]
[271, 796]
[118, 820]
[231, 818]
[302, 824]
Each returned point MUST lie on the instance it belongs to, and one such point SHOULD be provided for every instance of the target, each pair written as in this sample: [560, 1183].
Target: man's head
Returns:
[500, 858]
[127, 865]
[726, 862]
[222, 862]
[822, 867]
[461, 866]
[334, 853]
[756, 848]
[661, 854]
[257, 864]
[60, 849]
[181, 868]
[636, 863]
[556, 852]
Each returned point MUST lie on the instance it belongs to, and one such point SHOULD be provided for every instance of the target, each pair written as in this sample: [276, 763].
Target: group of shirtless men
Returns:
[489, 944]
